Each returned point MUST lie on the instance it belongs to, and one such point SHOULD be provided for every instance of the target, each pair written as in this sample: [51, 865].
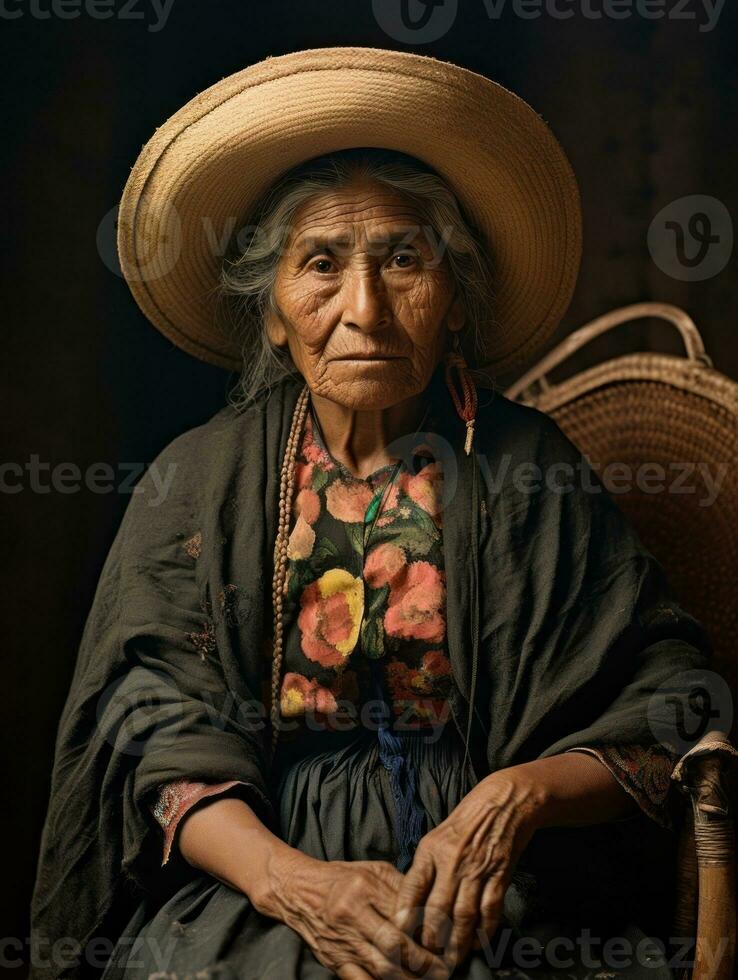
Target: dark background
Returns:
[646, 111]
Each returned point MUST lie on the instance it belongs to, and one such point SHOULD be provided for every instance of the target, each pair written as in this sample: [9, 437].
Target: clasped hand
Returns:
[365, 920]
[456, 886]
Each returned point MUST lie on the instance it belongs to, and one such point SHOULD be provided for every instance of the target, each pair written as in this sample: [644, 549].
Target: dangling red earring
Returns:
[467, 410]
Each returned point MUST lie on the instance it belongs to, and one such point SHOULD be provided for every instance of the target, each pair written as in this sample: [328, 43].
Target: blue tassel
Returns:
[410, 815]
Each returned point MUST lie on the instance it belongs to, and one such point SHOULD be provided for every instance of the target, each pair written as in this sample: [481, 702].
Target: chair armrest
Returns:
[695, 773]
[707, 774]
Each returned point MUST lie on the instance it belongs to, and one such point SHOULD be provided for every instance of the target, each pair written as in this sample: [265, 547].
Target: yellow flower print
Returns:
[330, 616]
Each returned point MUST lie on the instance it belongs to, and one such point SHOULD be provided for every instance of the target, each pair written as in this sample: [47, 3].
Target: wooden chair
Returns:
[658, 409]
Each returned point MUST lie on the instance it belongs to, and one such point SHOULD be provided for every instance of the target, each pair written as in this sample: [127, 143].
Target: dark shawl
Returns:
[558, 620]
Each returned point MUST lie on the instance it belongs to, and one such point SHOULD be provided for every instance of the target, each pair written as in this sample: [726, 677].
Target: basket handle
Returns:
[672, 314]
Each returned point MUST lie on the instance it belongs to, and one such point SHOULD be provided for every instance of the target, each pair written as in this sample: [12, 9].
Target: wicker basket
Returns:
[648, 411]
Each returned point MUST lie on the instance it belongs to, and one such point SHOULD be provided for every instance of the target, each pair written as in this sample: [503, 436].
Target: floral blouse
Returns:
[364, 617]
[365, 583]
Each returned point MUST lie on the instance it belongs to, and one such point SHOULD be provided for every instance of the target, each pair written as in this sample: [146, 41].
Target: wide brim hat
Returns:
[200, 175]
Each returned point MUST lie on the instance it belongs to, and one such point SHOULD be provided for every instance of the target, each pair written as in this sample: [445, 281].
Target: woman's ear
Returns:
[275, 329]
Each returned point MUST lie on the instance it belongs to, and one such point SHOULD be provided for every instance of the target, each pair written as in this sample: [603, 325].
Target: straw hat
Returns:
[201, 173]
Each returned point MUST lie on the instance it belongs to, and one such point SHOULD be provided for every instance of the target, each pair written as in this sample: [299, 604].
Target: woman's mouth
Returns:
[368, 357]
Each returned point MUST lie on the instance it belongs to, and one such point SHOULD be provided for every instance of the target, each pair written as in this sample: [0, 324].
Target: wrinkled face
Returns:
[365, 297]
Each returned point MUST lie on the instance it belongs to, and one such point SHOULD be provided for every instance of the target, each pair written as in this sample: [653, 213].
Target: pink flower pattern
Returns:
[348, 502]
[384, 564]
[352, 596]
[416, 603]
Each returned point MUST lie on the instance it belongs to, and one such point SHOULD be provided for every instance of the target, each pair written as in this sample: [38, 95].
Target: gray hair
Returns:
[248, 275]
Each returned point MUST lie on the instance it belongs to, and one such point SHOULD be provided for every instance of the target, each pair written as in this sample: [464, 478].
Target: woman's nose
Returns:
[366, 304]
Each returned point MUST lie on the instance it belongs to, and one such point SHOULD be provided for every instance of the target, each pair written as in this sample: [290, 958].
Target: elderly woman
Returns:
[373, 687]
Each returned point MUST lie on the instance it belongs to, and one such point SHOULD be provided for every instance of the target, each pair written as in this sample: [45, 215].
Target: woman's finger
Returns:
[413, 892]
[438, 909]
[397, 951]
[491, 905]
[352, 971]
[465, 917]
[386, 968]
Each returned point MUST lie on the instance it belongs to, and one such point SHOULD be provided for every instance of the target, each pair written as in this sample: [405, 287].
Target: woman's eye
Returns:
[404, 260]
[323, 265]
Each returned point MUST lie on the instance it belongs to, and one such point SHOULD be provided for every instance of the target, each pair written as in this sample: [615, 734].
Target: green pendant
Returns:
[372, 509]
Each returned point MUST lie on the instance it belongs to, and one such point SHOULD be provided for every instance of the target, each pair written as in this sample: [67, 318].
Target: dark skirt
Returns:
[573, 889]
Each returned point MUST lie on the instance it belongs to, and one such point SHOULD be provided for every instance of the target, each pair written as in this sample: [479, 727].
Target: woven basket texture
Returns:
[662, 432]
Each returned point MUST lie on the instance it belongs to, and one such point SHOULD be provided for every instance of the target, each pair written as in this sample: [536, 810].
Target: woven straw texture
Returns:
[197, 178]
[678, 414]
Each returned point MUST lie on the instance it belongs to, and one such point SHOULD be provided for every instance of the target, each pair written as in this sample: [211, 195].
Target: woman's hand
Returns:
[343, 910]
[462, 868]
